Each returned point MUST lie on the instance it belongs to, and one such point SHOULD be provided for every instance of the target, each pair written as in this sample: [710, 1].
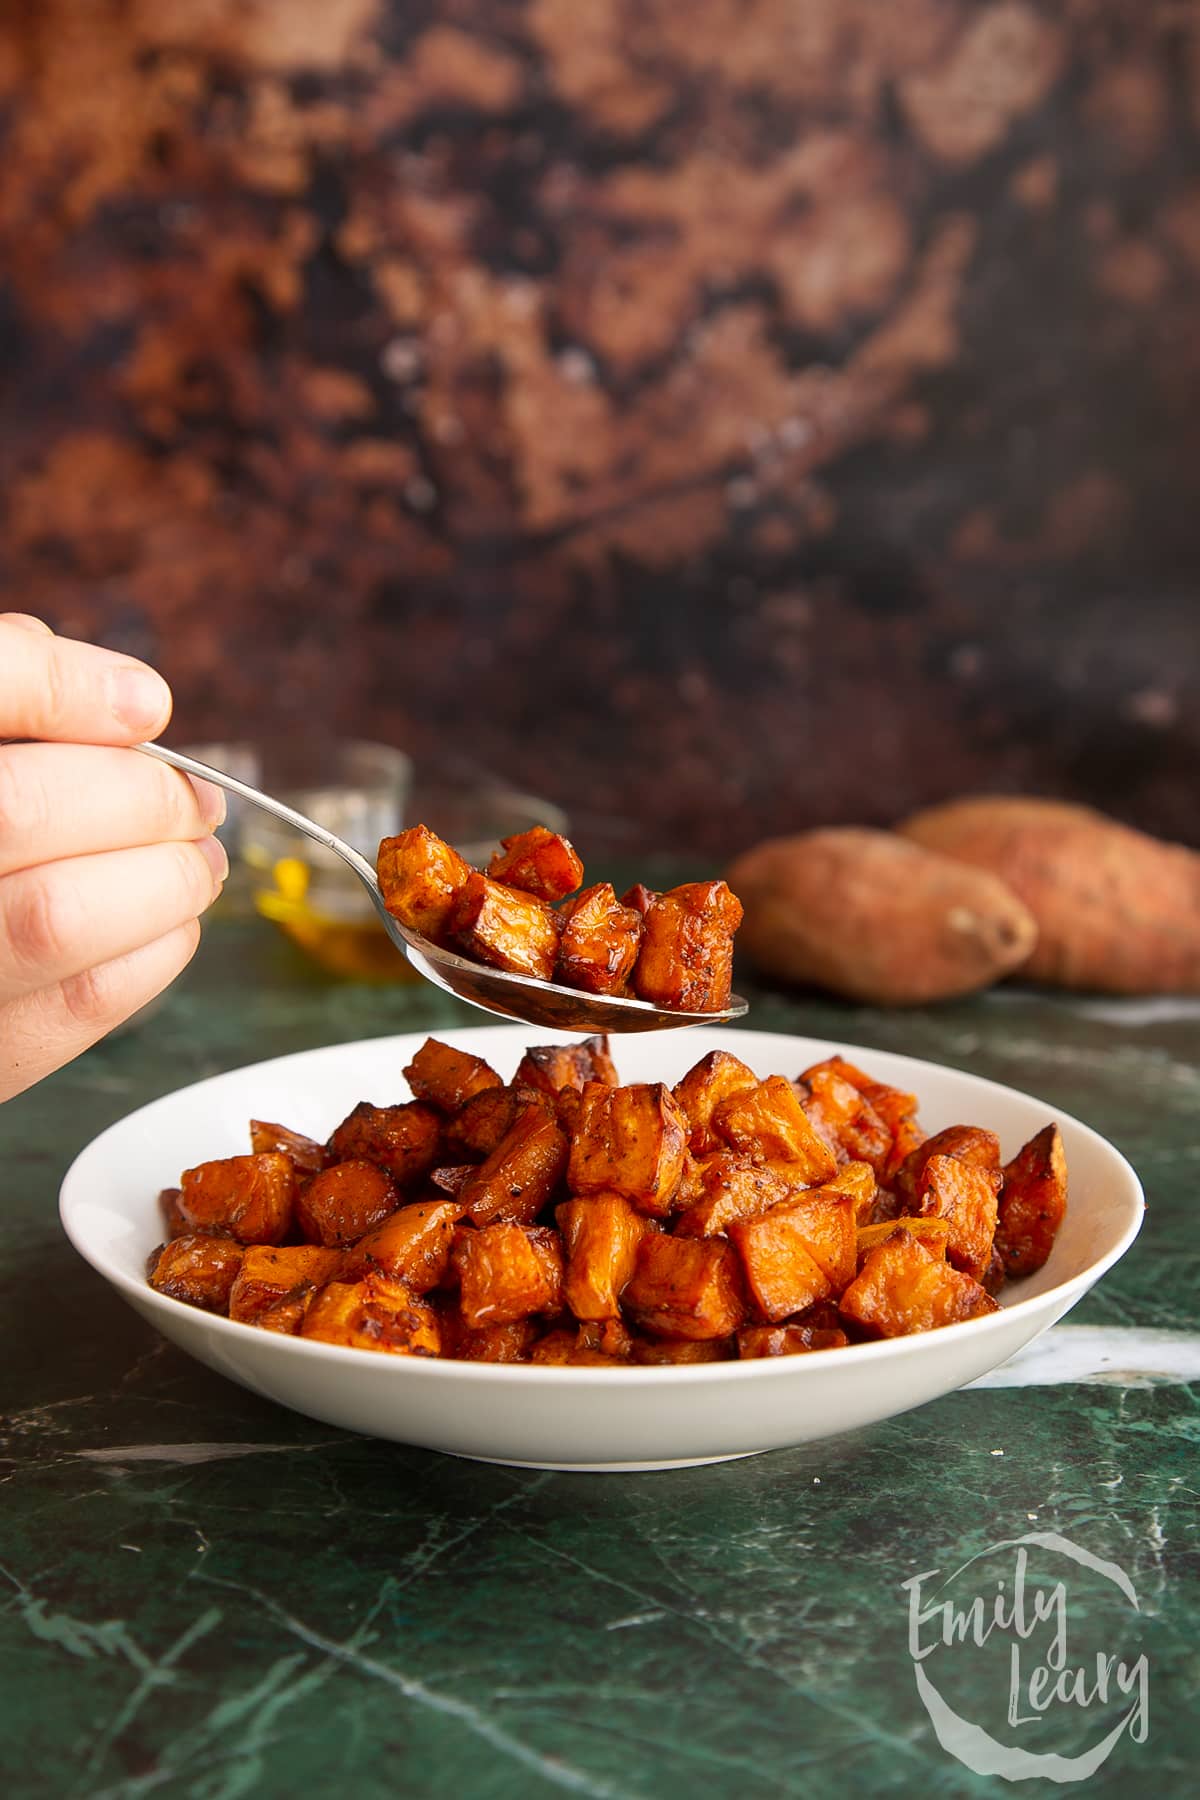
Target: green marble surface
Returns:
[204, 1595]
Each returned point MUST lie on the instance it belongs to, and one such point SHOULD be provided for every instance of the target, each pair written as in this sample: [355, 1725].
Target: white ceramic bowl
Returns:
[578, 1418]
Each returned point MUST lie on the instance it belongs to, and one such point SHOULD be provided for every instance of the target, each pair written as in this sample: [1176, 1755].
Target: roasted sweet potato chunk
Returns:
[248, 1197]
[897, 1109]
[714, 1079]
[420, 878]
[197, 1269]
[686, 959]
[768, 1121]
[968, 1143]
[600, 942]
[846, 1120]
[309, 1156]
[447, 1078]
[538, 862]
[401, 1139]
[505, 928]
[734, 1185]
[964, 1194]
[630, 1141]
[374, 1314]
[484, 1121]
[902, 1287]
[686, 1287]
[1033, 1203]
[270, 1275]
[655, 1351]
[933, 1232]
[600, 1236]
[572, 1349]
[508, 1272]
[520, 1175]
[787, 1340]
[552, 1067]
[858, 1180]
[172, 1214]
[342, 1202]
[412, 1246]
[494, 1343]
[797, 1253]
[640, 897]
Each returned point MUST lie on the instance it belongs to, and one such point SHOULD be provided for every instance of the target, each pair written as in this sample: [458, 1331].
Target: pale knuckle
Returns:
[43, 922]
[195, 879]
[57, 692]
[23, 816]
[93, 998]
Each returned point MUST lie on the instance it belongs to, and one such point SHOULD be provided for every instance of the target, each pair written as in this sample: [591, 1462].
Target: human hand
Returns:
[106, 857]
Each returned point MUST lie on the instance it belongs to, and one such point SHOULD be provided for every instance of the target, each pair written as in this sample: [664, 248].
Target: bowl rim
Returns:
[892, 1350]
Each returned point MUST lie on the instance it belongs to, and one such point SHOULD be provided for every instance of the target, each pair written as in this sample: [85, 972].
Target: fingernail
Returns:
[214, 855]
[140, 698]
[211, 801]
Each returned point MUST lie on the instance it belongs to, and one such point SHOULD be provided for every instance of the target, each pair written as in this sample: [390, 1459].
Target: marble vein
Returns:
[1116, 1355]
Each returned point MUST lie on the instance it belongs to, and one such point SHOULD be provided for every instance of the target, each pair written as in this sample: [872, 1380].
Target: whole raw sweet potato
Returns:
[1117, 912]
[876, 918]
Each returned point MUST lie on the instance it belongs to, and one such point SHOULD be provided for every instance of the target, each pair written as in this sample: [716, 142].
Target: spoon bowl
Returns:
[492, 990]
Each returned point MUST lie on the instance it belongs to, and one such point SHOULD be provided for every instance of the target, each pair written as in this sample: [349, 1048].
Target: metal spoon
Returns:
[494, 990]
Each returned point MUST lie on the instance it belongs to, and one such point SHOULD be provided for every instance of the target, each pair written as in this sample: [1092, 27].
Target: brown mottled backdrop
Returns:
[723, 415]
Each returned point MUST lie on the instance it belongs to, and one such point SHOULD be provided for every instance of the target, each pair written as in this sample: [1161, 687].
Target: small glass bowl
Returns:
[363, 792]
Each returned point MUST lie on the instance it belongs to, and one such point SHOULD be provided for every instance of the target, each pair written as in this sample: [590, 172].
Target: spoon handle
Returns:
[298, 821]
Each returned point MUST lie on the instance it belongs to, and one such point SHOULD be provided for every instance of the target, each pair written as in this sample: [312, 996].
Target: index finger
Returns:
[55, 688]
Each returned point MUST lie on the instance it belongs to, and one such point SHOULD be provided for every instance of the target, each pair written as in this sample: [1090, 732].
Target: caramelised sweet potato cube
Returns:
[420, 878]
[797, 1253]
[600, 1236]
[1033, 1203]
[768, 1121]
[686, 1287]
[269, 1275]
[538, 861]
[401, 1139]
[373, 1314]
[343, 1201]
[521, 1174]
[447, 1078]
[735, 1185]
[661, 1351]
[309, 1156]
[968, 1143]
[172, 1216]
[248, 1197]
[631, 1141]
[600, 942]
[846, 1120]
[551, 1067]
[573, 1349]
[787, 1340]
[199, 1270]
[902, 1287]
[640, 897]
[897, 1109]
[505, 928]
[508, 1272]
[966, 1196]
[412, 1246]
[934, 1233]
[858, 1180]
[686, 959]
[484, 1121]
[494, 1343]
[450, 1178]
[714, 1079]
